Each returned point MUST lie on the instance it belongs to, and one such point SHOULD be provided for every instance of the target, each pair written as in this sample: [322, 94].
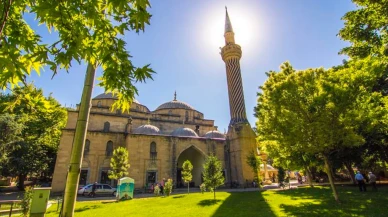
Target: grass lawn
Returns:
[309, 202]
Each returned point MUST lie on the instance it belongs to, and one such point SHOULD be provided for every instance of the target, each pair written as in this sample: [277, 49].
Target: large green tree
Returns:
[10, 132]
[34, 151]
[318, 112]
[212, 174]
[89, 31]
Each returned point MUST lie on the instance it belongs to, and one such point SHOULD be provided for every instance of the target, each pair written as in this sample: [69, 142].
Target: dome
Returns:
[184, 132]
[147, 129]
[269, 167]
[110, 96]
[214, 134]
[175, 104]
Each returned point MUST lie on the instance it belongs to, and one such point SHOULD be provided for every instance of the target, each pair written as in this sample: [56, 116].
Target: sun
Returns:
[245, 25]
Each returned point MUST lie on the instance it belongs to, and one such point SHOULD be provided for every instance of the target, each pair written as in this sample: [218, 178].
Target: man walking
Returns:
[360, 181]
[372, 180]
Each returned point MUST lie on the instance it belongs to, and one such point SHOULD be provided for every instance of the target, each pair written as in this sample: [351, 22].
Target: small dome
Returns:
[184, 132]
[214, 134]
[147, 129]
[269, 167]
[175, 104]
[110, 96]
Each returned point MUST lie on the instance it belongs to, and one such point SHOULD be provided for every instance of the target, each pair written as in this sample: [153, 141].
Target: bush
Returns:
[26, 201]
[168, 187]
[202, 187]
[156, 190]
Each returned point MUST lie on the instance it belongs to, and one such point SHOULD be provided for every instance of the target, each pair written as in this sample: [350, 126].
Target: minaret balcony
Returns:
[231, 51]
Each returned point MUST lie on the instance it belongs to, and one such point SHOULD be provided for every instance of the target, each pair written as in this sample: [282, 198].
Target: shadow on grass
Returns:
[244, 204]
[108, 202]
[208, 202]
[86, 208]
[180, 196]
[353, 203]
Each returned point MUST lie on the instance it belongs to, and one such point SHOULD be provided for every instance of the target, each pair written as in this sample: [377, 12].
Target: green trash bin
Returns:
[40, 197]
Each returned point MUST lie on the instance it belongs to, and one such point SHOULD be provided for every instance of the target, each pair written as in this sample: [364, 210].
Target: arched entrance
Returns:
[197, 159]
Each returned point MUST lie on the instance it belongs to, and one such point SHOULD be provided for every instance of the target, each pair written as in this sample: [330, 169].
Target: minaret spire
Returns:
[229, 34]
[228, 24]
[175, 96]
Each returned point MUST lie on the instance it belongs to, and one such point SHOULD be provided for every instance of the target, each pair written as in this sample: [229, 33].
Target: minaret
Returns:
[240, 136]
[231, 54]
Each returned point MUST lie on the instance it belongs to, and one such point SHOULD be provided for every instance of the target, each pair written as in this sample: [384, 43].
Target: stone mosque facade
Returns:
[160, 141]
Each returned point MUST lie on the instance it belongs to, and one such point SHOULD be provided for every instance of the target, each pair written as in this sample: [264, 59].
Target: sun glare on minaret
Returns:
[245, 26]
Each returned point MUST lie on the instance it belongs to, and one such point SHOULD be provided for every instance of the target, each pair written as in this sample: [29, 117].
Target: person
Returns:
[254, 183]
[93, 193]
[372, 180]
[162, 187]
[360, 180]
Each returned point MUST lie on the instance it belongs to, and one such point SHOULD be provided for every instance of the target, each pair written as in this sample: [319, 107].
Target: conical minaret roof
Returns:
[228, 24]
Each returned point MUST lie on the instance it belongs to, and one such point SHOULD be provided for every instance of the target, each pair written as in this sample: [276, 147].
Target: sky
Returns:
[182, 45]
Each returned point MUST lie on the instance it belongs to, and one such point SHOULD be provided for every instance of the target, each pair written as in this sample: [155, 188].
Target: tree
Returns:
[168, 187]
[254, 162]
[366, 29]
[186, 173]
[212, 174]
[119, 164]
[317, 111]
[10, 133]
[33, 152]
[88, 32]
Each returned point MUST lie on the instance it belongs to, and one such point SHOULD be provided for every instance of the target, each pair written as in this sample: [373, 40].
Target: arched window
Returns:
[106, 126]
[138, 108]
[109, 148]
[187, 116]
[99, 104]
[118, 111]
[87, 147]
[169, 112]
[153, 153]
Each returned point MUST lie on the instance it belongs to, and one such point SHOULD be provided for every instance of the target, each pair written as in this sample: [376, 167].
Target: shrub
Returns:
[26, 201]
[202, 187]
[156, 190]
[168, 187]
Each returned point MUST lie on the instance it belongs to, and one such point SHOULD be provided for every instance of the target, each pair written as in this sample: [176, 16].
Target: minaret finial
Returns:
[228, 24]
[175, 96]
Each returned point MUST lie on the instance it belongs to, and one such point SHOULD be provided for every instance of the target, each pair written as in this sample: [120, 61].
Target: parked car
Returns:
[101, 190]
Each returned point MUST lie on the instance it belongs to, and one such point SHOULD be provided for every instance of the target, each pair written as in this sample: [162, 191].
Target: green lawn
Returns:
[309, 202]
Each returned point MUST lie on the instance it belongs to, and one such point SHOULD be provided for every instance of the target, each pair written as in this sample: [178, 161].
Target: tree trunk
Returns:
[188, 187]
[330, 175]
[78, 144]
[351, 172]
[214, 192]
[309, 176]
[21, 180]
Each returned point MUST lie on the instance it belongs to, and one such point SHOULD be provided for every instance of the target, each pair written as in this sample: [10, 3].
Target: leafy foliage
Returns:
[212, 174]
[34, 149]
[26, 201]
[186, 173]
[367, 29]
[316, 112]
[10, 133]
[157, 190]
[202, 187]
[254, 162]
[90, 31]
[168, 187]
[119, 163]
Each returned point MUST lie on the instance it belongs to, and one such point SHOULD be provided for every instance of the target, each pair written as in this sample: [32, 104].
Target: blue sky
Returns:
[182, 45]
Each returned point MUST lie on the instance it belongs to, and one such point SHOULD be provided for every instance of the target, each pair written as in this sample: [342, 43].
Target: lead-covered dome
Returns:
[184, 132]
[214, 134]
[110, 96]
[146, 129]
[175, 104]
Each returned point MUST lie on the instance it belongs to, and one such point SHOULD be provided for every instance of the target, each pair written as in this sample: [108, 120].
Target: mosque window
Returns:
[118, 111]
[99, 104]
[87, 147]
[153, 153]
[138, 108]
[109, 148]
[169, 112]
[187, 116]
[106, 126]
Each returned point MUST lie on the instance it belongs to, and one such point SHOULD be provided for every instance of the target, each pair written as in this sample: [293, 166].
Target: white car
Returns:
[101, 189]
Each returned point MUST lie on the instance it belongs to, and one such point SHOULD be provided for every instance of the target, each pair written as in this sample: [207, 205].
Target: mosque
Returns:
[160, 141]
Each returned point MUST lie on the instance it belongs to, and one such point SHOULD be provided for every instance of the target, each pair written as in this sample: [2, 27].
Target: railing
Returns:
[12, 203]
